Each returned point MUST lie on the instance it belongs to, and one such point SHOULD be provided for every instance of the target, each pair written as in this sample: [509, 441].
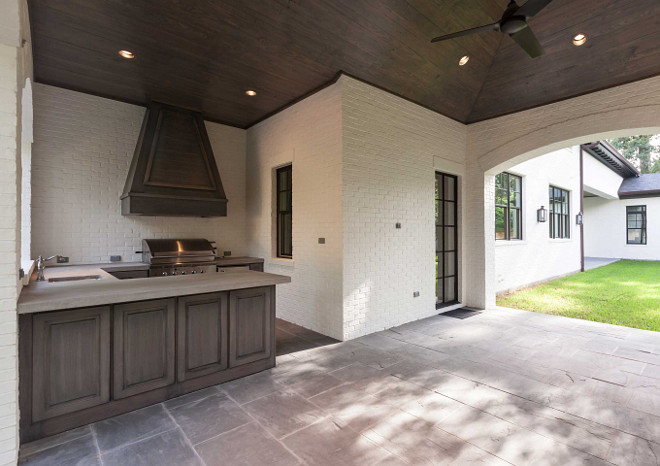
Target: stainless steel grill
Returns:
[178, 256]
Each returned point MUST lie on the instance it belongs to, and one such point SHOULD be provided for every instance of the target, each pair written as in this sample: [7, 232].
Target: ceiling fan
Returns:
[513, 23]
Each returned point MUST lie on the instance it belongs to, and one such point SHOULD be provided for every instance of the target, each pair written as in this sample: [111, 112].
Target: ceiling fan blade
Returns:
[527, 40]
[531, 8]
[487, 27]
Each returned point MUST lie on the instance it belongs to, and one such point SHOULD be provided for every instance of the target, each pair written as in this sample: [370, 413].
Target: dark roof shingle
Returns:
[641, 186]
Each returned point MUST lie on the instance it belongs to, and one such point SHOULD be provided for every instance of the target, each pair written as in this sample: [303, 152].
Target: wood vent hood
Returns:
[173, 171]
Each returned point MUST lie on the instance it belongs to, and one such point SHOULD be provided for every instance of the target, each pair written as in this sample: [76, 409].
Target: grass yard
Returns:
[624, 293]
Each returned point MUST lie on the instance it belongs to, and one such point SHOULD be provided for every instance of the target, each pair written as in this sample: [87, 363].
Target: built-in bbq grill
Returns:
[178, 256]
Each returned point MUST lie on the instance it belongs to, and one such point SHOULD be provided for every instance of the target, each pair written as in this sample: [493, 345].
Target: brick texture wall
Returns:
[83, 146]
[308, 135]
[9, 247]
[389, 147]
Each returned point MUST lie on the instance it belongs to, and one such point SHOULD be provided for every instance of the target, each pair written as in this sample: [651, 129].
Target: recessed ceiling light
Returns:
[127, 54]
[579, 40]
[464, 59]
[250, 92]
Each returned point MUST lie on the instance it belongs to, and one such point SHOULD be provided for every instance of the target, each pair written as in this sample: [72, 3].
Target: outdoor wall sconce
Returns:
[542, 215]
[578, 219]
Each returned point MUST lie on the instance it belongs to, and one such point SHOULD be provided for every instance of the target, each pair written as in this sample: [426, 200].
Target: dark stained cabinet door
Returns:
[71, 361]
[202, 335]
[249, 325]
[143, 353]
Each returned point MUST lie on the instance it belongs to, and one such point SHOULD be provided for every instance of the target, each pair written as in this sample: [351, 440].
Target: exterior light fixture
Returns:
[579, 218]
[542, 215]
[251, 93]
[464, 59]
[579, 40]
[127, 54]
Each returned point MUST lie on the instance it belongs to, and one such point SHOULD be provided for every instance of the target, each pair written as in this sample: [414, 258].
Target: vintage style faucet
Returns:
[41, 266]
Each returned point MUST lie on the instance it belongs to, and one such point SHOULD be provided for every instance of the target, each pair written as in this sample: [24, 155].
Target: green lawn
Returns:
[624, 293]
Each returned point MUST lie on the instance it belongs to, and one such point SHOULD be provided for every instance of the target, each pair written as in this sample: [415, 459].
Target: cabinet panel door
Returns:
[143, 339]
[249, 325]
[71, 361]
[202, 335]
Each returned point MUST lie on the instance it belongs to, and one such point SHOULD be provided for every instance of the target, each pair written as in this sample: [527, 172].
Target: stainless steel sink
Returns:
[73, 279]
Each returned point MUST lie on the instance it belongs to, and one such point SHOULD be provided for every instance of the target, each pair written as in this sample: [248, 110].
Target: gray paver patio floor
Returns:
[501, 387]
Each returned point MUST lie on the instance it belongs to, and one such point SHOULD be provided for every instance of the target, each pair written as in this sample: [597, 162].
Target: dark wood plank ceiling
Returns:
[203, 55]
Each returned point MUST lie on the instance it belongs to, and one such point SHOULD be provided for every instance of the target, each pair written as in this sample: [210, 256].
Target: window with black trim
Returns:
[508, 206]
[636, 224]
[559, 212]
[284, 212]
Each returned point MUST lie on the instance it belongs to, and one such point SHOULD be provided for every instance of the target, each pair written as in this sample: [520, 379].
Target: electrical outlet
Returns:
[62, 259]
[226, 253]
[415, 294]
[115, 258]
[398, 225]
[321, 240]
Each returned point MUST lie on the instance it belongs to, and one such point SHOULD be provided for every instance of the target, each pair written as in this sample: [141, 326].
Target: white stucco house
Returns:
[582, 201]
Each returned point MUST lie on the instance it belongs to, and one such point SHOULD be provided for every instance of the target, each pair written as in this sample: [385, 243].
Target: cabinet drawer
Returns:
[143, 340]
[202, 335]
[71, 361]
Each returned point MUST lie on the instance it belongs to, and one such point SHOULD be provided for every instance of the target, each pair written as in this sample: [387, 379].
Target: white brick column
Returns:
[9, 247]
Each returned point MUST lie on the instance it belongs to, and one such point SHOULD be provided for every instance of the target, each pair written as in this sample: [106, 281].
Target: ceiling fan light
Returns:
[251, 93]
[579, 39]
[464, 59]
[127, 54]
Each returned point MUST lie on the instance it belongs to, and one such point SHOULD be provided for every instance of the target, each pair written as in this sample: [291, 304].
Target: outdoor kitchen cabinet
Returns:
[83, 365]
[202, 335]
[250, 323]
[143, 346]
[70, 361]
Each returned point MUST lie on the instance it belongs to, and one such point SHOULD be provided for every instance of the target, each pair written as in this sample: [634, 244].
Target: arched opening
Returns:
[561, 202]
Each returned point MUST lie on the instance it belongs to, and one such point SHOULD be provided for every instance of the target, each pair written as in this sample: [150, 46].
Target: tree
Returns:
[640, 151]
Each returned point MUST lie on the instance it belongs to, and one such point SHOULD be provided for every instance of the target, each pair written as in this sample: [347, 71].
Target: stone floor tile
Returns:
[80, 451]
[252, 387]
[167, 449]
[631, 450]
[190, 397]
[45, 443]
[209, 417]
[282, 413]
[131, 427]
[329, 443]
[310, 383]
[248, 445]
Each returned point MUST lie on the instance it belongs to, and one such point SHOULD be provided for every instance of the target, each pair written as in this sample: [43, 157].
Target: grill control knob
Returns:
[174, 273]
[183, 273]
[194, 272]
[164, 274]
[201, 271]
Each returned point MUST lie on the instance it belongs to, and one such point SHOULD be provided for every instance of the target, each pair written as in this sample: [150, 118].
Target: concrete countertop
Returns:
[46, 296]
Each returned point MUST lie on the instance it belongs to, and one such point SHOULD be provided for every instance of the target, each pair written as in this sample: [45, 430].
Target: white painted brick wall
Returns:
[538, 257]
[10, 74]
[82, 151]
[605, 229]
[389, 147]
[308, 134]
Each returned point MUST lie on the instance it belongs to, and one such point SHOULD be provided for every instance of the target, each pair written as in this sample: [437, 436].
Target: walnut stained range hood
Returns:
[173, 171]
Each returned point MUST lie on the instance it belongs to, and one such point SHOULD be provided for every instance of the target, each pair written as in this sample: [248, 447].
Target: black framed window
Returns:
[508, 206]
[284, 211]
[446, 240]
[560, 225]
[636, 224]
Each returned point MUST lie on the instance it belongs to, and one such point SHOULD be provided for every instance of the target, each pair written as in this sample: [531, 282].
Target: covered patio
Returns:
[495, 387]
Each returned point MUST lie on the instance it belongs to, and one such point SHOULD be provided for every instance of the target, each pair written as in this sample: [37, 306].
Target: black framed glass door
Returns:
[446, 240]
